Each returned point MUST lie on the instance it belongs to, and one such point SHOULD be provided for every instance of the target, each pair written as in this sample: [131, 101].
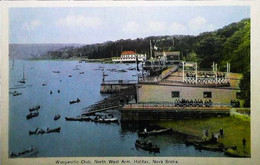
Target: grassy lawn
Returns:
[235, 130]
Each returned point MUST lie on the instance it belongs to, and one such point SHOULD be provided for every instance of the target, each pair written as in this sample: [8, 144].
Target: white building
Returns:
[130, 57]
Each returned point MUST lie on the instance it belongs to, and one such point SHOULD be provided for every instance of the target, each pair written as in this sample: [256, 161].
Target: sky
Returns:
[100, 24]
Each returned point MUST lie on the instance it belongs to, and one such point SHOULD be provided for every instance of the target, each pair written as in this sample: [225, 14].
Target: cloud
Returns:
[177, 28]
[80, 21]
[200, 24]
[156, 26]
[131, 27]
[29, 26]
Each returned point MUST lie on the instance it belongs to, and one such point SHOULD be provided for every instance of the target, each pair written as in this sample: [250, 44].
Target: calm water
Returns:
[75, 138]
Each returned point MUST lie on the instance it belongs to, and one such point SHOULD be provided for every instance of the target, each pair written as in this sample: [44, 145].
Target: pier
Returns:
[146, 112]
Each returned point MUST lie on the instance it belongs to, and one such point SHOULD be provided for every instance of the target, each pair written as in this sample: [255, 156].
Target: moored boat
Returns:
[15, 93]
[155, 132]
[75, 101]
[26, 153]
[105, 120]
[77, 118]
[53, 130]
[147, 146]
[31, 115]
[56, 117]
[35, 108]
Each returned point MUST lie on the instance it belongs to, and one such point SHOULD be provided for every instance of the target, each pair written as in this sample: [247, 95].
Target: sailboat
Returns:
[13, 65]
[23, 79]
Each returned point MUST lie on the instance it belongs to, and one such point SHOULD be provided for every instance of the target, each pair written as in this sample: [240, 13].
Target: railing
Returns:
[120, 82]
[172, 104]
[192, 80]
[159, 78]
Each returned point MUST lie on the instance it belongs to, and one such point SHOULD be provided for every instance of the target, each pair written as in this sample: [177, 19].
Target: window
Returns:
[175, 94]
[207, 95]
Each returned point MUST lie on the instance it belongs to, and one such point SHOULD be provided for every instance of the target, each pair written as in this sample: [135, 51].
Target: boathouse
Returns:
[219, 87]
[180, 92]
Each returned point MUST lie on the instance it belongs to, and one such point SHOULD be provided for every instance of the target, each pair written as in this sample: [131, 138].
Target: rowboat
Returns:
[77, 118]
[104, 120]
[147, 146]
[35, 108]
[31, 115]
[56, 117]
[26, 153]
[155, 132]
[53, 130]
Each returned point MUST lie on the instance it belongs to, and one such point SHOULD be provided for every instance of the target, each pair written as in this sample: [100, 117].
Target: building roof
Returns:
[127, 52]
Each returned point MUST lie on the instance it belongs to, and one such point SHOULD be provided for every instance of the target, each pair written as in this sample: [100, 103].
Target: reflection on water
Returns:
[76, 138]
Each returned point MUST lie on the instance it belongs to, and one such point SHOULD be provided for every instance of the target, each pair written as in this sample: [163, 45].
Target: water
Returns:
[76, 138]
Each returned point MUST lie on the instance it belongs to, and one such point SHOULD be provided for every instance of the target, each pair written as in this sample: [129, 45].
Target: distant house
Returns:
[175, 55]
[130, 57]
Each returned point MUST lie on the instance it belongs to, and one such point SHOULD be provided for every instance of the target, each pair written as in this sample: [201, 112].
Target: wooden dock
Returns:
[142, 113]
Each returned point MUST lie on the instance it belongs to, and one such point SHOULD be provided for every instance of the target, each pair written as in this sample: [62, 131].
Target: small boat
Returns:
[70, 75]
[31, 115]
[33, 132]
[23, 79]
[56, 71]
[15, 93]
[56, 117]
[44, 84]
[76, 69]
[77, 118]
[122, 70]
[75, 101]
[26, 153]
[34, 108]
[81, 72]
[147, 146]
[106, 120]
[155, 132]
[53, 130]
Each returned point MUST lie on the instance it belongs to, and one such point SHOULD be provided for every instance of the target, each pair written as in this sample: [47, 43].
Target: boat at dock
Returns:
[78, 118]
[34, 108]
[31, 115]
[75, 101]
[147, 146]
[155, 132]
[105, 120]
[56, 117]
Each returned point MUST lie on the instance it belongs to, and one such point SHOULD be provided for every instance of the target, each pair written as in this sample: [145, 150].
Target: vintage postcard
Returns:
[129, 83]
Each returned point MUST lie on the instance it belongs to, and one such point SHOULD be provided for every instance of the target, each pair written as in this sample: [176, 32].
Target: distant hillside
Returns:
[27, 51]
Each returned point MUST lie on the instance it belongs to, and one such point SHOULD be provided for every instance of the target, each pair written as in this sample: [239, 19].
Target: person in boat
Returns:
[47, 129]
[206, 133]
[58, 91]
[51, 92]
[221, 131]
[244, 142]
[13, 154]
[145, 130]
[212, 137]
[78, 99]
